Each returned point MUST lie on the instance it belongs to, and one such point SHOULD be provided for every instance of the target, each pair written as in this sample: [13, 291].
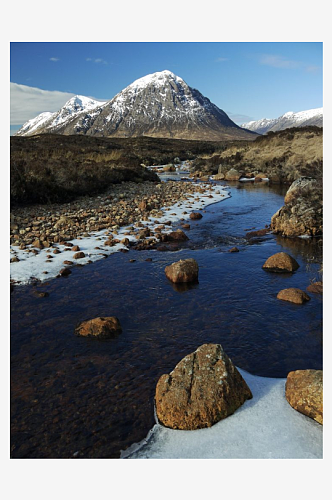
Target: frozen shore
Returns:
[263, 427]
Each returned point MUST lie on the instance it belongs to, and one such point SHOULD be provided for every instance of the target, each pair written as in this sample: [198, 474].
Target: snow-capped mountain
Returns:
[289, 119]
[157, 105]
[54, 122]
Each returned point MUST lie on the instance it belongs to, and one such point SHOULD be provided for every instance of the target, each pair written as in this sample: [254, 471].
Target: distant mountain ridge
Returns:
[287, 120]
[156, 105]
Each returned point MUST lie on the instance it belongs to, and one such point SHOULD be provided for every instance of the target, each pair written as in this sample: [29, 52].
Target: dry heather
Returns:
[284, 156]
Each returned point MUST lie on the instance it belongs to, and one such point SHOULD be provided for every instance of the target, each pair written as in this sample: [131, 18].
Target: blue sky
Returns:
[248, 80]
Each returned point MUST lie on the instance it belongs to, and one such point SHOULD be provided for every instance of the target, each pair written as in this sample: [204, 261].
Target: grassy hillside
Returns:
[283, 156]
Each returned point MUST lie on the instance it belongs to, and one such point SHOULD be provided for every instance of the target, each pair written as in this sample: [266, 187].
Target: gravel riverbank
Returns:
[126, 215]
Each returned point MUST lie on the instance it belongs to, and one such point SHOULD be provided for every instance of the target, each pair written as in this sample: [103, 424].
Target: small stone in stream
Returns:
[56, 251]
[65, 271]
[132, 260]
[316, 287]
[234, 249]
[41, 294]
[183, 271]
[281, 262]
[260, 232]
[99, 327]
[125, 241]
[68, 262]
[79, 255]
[148, 259]
[14, 259]
[186, 226]
[294, 295]
[195, 215]
[124, 250]
[75, 248]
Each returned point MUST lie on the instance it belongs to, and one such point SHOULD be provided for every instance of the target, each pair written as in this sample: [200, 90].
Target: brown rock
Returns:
[281, 262]
[68, 262]
[183, 271]
[79, 255]
[177, 235]
[259, 232]
[99, 327]
[195, 215]
[304, 392]
[294, 295]
[38, 244]
[316, 287]
[203, 388]
[233, 250]
[75, 248]
[232, 175]
[65, 271]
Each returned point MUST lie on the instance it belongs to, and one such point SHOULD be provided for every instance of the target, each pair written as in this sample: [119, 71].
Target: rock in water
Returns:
[316, 287]
[281, 262]
[304, 392]
[195, 216]
[177, 235]
[183, 271]
[294, 295]
[203, 388]
[99, 327]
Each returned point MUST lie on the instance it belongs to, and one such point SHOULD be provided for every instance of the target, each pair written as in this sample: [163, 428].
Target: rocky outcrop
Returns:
[203, 388]
[294, 295]
[183, 271]
[302, 214]
[99, 327]
[281, 262]
[304, 392]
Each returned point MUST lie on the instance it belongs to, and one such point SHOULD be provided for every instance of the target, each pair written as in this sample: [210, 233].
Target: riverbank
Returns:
[48, 238]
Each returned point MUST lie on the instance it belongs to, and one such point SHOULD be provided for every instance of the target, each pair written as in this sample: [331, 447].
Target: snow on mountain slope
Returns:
[31, 126]
[287, 120]
[51, 122]
[158, 105]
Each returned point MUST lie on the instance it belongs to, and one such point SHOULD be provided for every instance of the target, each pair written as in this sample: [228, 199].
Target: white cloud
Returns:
[54, 59]
[277, 61]
[27, 102]
[97, 61]
[222, 59]
[238, 118]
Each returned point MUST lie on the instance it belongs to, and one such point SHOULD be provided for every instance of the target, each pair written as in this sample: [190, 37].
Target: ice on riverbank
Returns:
[34, 266]
[264, 427]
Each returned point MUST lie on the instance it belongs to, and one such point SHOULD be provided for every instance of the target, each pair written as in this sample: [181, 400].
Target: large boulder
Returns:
[203, 388]
[232, 175]
[304, 392]
[99, 327]
[302, 214]
[281, 262]
[183, 271]
[294, 295]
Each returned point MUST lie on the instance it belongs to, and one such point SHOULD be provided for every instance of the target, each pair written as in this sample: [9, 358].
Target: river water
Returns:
[85, 398]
